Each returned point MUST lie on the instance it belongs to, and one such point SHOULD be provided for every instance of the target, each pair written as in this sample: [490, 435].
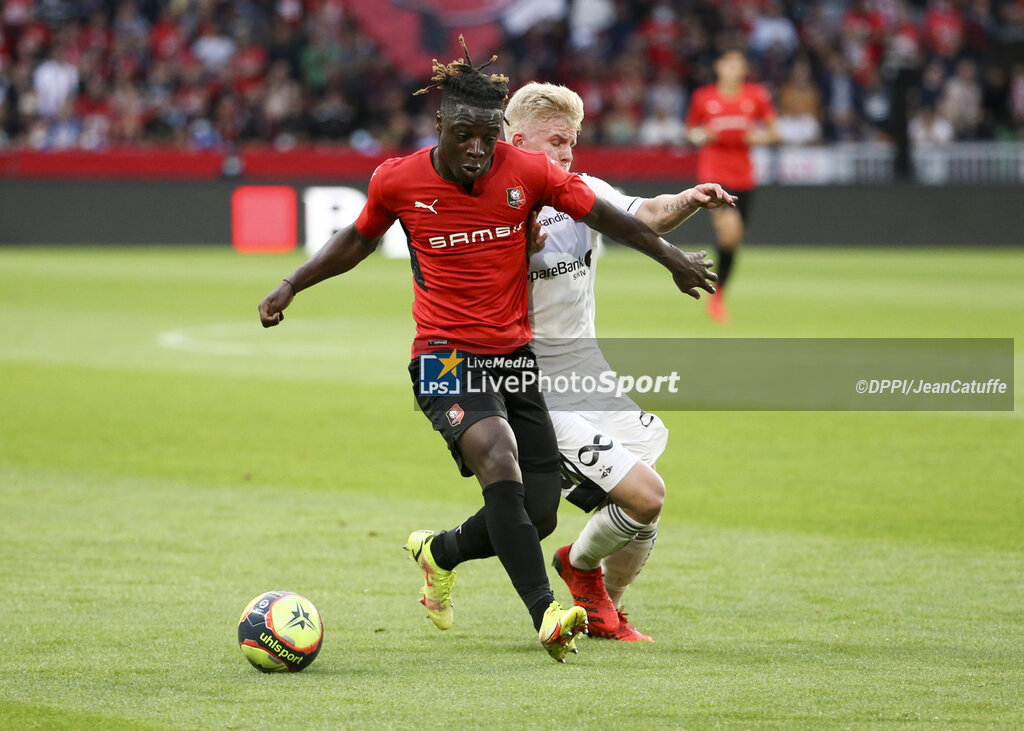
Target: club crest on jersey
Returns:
[516, 197]
[455, 414]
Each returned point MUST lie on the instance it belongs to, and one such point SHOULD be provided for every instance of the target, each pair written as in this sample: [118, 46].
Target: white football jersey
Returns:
[562, 306]
[562, 273]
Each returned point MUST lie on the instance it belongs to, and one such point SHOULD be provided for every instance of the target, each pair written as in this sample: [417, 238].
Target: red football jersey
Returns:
[468, 249]
[726, 159]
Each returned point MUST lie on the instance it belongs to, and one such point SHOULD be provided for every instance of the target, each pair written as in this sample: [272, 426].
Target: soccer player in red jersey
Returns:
[725, 119]
[465, 205]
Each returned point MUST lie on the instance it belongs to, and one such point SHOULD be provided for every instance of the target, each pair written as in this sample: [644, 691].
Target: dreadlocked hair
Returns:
[461, 82]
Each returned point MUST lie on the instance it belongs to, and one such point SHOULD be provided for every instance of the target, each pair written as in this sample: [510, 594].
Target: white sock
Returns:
[608, 530]
[623, 566]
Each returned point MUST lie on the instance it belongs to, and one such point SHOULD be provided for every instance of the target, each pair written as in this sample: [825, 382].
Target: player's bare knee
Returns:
[646, 502]
[640, 494]
[489, 449]
[495, 463]
[652, 501]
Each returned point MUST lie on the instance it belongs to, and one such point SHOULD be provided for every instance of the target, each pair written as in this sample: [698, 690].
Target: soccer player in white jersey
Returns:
[608, 456]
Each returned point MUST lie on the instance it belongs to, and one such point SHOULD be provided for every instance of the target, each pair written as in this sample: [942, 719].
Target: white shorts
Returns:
[602, 446]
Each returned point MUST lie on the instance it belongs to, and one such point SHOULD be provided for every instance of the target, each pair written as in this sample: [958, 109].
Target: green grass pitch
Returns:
[163, 460]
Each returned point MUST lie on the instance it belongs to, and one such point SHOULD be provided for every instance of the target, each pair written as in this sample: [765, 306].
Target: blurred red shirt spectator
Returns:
[943, 28]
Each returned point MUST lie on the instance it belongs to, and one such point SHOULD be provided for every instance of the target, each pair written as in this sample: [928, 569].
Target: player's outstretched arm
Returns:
[665, 212]
[689, 269]
[342, 251]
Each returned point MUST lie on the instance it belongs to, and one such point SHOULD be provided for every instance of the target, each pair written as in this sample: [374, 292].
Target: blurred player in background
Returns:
[464, 205]
[608, 449]
[724, 120]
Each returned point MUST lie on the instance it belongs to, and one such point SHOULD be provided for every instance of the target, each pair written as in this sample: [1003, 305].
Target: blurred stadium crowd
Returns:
[206, 74]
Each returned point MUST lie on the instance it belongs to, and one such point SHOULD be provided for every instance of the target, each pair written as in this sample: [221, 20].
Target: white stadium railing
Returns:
[864, 163]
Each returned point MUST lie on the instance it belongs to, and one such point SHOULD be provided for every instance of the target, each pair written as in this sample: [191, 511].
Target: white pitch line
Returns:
[233, 339]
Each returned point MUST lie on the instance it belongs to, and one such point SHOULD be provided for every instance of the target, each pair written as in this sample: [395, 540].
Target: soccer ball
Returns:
[280, 631]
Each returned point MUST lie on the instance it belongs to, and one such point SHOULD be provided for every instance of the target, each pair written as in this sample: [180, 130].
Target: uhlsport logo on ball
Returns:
[280, 631]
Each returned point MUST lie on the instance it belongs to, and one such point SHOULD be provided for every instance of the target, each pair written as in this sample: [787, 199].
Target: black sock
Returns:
[515, 541]
[470, 540]
[725, 257]
[543, 491]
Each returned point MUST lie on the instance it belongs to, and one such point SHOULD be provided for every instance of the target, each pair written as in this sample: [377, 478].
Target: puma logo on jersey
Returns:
[430, 208]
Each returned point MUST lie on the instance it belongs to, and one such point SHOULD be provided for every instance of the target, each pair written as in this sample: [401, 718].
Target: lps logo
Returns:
[440, 375]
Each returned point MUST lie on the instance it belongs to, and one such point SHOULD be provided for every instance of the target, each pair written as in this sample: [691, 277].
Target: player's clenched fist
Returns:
[272, 306]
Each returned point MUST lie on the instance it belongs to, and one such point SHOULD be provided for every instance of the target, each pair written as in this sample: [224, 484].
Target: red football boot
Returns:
[629, 633]
[716, 308]
[587, 589]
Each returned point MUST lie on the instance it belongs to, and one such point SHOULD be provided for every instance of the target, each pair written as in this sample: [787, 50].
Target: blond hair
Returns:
[537, 102]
